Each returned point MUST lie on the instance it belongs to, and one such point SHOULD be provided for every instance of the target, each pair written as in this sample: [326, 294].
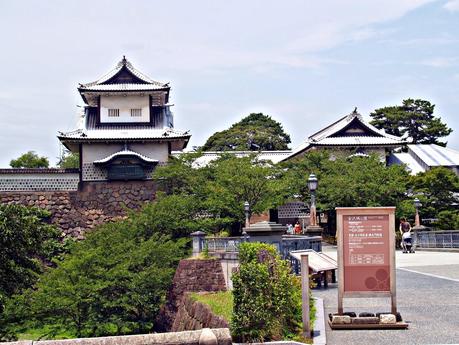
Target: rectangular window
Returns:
[136, 112]
[113, 112]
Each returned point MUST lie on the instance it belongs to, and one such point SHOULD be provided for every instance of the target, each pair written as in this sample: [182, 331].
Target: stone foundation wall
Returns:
[192, 315]
[192, 275]
[74, 212]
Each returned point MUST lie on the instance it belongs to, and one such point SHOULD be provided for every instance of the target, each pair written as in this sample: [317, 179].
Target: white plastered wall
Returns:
[124, 104]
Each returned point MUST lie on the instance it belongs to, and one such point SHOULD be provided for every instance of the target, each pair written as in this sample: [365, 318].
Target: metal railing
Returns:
[437, 239]
[222, 244]
[231, 244]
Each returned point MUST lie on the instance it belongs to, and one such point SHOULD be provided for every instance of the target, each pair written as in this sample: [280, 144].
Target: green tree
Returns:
[29, 160]
[236, 180]
[267, 297]
[254, 133]
[178, 215]
[448, 220]
[414, 118]
[69, 160]
[346, 181]
[181, 175]
[112, 283]
[437, 190]
[25, 241]
[215, 193]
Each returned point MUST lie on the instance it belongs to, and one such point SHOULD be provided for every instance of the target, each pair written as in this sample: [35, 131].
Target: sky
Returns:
[305, 63]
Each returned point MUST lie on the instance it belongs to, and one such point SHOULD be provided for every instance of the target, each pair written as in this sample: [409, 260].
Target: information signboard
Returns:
[366, 253]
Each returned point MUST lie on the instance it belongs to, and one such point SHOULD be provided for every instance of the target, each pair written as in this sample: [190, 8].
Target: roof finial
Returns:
[355, 110]
[124, 59]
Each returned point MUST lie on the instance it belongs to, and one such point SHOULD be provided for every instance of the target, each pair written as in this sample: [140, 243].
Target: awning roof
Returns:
[318, 262]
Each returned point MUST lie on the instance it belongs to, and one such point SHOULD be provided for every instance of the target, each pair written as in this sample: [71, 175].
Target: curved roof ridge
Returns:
[119, 66]
[125, 152]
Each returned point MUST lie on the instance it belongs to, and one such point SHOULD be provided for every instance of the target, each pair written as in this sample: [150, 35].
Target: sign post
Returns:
[305, 294]
[366, 253]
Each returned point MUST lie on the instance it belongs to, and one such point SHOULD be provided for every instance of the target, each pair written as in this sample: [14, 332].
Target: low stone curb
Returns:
[319, 334]
[219, 336]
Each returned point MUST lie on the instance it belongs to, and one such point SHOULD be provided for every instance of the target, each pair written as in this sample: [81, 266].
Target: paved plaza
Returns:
[427, 298]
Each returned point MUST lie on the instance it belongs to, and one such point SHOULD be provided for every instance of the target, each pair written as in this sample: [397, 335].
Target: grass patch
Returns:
[221, 303]
[45, 332]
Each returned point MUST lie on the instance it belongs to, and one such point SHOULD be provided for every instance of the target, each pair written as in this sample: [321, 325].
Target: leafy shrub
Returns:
[112, 283]
[267, 297]
[25, 240]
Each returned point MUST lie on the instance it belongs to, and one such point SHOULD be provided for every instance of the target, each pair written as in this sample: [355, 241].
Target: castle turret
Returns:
[128, 126]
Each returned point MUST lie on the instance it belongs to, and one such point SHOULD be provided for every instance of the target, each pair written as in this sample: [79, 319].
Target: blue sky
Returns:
[304, 63]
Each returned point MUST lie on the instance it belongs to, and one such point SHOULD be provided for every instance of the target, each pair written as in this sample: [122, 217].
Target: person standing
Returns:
[297, 228]
[405, 231]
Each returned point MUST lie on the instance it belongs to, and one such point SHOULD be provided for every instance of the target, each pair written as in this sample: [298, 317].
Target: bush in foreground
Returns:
[267, 297]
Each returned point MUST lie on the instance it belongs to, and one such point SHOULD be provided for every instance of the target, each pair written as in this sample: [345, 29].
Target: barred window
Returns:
[136, 112]
[113, 112]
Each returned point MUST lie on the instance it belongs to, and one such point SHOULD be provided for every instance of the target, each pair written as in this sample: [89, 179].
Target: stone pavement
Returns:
[427, 298]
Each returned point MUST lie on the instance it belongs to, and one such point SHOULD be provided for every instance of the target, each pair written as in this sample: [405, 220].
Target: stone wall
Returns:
[193, 315]
[74, 212]
[192, 275]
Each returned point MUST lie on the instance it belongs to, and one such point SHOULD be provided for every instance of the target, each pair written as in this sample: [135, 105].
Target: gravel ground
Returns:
[430, 305]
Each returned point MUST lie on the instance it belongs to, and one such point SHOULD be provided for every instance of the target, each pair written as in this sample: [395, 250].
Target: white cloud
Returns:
[442, 39]
[452, 5]
[440, 62]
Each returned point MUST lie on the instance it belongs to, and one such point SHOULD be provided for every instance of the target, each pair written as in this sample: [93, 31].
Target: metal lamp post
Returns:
[247, 214]
[313, 228]
[417, 220]
[312, 186]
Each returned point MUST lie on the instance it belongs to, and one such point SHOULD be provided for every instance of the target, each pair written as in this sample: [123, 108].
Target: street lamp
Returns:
[417, 220]
[312, 186]
[247, 214]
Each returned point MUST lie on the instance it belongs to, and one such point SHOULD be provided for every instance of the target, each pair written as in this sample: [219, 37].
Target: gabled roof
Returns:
[124, 154]
[350, 130]
[347, 121]
[124, 77]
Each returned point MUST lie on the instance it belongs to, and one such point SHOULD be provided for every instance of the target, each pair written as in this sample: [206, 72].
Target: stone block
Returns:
[365, 320]
[387, 319]
[207, 337]
[365, 314]
[341, 319]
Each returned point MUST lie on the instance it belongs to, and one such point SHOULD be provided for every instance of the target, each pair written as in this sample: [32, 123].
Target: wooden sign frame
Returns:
[365, 211]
